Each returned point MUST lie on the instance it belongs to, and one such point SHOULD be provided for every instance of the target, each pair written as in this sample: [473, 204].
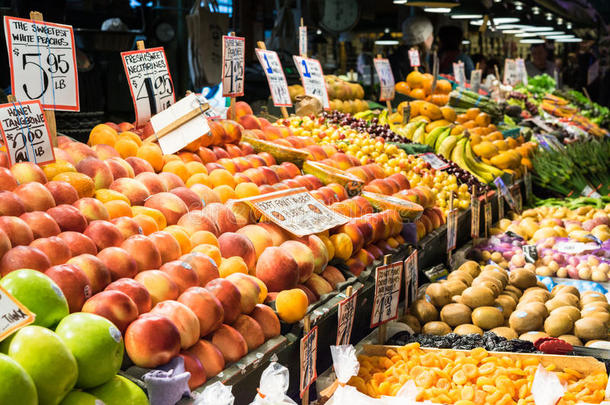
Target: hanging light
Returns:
[556, 37]
[433, 3]
[569, 25]
[538, 29]
[439, 10]
[518, 6]
[569, 40]
[386, 39]
[497, 21]
[549, 16]
[549, 33]
[512, 32]
[400, 1]
[532, 41]
[527, 34]
[505, 27]
[559, 21]
[465, 42]
[535, 10]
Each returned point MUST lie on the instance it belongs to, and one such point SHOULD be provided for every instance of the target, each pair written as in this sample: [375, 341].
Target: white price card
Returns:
[475, 215]
[459, 73]
[233, 68]
[184, 134]
[386, 78]
[452, 217]
[150, 82]
[388, 280]
[589, 191]
[25, 133]
[475, 80]
[210, 113]
[43, 63]
[511, 75]
[312, 77]
[521, 70]
[505, 192]
[488, 217]
[303, 40]
[414, 58]
[309, 357]
[345, 319]
[275, 77]
[434, 161]
[13, 314]
[411, 278]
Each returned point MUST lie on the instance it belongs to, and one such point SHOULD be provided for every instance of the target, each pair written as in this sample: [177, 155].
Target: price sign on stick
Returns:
[452, 217]
[434, 161]
[488, 217]
[459, 73]
[386, 78]
[500, 207]
[388, 280]
[42, 62]
[521, 70]
[275, 77]
[411, 278]
[505, 192]
[303, 40]
[530, 252]
[345, 319]
[233, 51]
[25, 133]
[150, 83]
[414, 58]
[313, 79]
[527, 179]
[13, 314]
[475, 214]
[475, 80]
[309, 357]
[511, 75]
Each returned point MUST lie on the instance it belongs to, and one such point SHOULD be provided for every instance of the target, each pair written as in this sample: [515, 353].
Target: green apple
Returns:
[16, 385]
[96, 344]
[120, 391]
[47, 359]
[39, 294]
[80, 398]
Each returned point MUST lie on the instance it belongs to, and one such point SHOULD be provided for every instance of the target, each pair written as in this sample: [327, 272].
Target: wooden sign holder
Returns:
[261, 45]
[303, 55]
[49, 114]
[178, 123]
[232, 98]
[449, 254]
[382, 333]
[388, 103]
[306, 329]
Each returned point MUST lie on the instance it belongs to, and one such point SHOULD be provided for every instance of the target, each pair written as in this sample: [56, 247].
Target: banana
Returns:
[364, 114]
[418, 135]
[441, 138]
[383, 117]
[430, 137]
[411, 127]
[481, 166]
[457, 155]
[447, 146]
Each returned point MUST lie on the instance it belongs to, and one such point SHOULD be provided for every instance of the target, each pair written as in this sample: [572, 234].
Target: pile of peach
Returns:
[468, 377]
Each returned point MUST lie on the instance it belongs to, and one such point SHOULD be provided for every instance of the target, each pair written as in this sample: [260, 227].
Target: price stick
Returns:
[488, 216]
[233, 51]
[302, 40]
[150, 82]
[503, 191]
[521, 70]
[25, 132]
[312, 78]
[388, 280]
[309, 357]
[451, 229]
[475, 215]
[518, 197]
[13, 314]
[435, 68]
[275, 77]
[475, 80]
[386, 81]
[345, 316]
[527, 179]
[411, 277]
[414, 59]
[459, 73]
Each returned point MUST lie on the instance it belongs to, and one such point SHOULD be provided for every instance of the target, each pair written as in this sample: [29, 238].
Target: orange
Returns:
[461, 118]
[418, 93]
[427, 84]
[232, 265]
[198, 178]
[132, 136]
[155, 214]
[126, 147]
[105, 195]
[59, 166]
[178, 168]
[151, 152]
[472, 113]
[469, 124]
[402, 88]
[102, 133]
[182, 237]
[203, 237]
[85, 187]
[415, 80]
[225, 193]
[291, 305]
[439, 99]
[118, 208]
[147, 224]
[209, 250]
[247, 189]
[443, 86]
[221, 177]
[343, 245]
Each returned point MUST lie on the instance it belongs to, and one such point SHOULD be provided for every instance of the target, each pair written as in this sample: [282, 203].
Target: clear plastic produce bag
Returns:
[216, 394]
[273, 386]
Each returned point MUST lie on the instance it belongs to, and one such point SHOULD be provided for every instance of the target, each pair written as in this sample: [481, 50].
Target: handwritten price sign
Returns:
[43, 63]
[313, 79]
[411, 278]
[414, 58]
[459, 73]
[488, 217]
[345, 319]
[233, 50]
[388, 280]
[386, 78]
[302, 40]
[275, 77]
[25, 133]
[452, 217]
[504, 192]
[309, 357]
[434, 161]
[475, 214]
[13, 314]
[150, 83]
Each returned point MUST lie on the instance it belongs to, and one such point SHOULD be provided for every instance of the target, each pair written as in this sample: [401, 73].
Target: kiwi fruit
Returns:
[511, 294]
[598, 305]
[558, 301]
[455, 286]
[514, 290]
[438, 295]
[424, 311]
[532, 336]
[463, 276]
[602, 316]
[572, 312]
[487, 281]
[412, 322]
[565, 288]
[456, 314]
[571, 339]
[568, 298]
[436, 328]
[496, 273]
[558, 324]
[456, 299]
[478, 296]
[487, 317]
[507, 303]
[505, 332]
[522, 321]
[534, 306]
[522, 278]
[467, 329]
[471, 267]
[592, 297]
[546, 293]
[590, 329]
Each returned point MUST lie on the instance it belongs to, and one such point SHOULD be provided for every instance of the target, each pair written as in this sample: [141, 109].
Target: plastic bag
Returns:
[345, 362]
[546, 387]
[215, 394]
[273, 386]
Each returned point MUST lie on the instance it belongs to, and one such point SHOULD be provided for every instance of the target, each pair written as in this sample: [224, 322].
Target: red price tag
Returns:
[309, 357]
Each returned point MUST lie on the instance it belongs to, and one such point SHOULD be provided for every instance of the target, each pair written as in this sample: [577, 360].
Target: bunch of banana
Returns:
[365, 115]
[431, 137]
[383, 117]
[462, 155]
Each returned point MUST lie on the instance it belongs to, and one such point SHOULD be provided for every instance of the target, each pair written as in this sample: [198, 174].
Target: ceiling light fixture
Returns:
[512, 31]
[466, 16]
[527, 34]
[569, 40]
[538, 29]
[555, 37]
[559, 21]
[549, 16]
[386, 39]
[532, 41]
[439, 10]
[518, 6]
[569, 25]
[549, 33]
[400, 1]
[535, 10]
[497, 21]
[465, 42]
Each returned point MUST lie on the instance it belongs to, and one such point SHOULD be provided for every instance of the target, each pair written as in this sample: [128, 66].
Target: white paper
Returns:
[309, 357]
[521, 70]
[546, 387]
[312, 77]
[388, 280]
[475, 80]
[434, 161]
[414, 58]
[345, 319]
[43, 63]
[411, 278]
[386, 78]
[25, 133]
[303, 40]
[511, 75]
[275, 77]
[185, 134]
[233, 51]
[459, 73]
[150, 82]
